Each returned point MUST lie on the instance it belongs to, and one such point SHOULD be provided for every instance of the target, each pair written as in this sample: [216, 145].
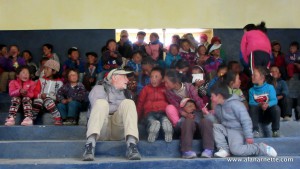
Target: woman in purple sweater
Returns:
[188, 123]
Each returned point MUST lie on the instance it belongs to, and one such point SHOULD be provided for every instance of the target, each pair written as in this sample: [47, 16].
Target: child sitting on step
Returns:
[21, 91]
[46, 90]
[233, 132]
[151, 105]
[71, 97]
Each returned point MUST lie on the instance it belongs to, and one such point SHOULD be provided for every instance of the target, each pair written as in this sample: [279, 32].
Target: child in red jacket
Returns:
[152, 104]
[21, 91]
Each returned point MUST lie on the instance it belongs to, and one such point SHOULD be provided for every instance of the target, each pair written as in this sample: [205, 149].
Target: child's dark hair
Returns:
[220, 88]
[174, 76]
[228, 78]
[197, 67]
[108, 42]
[27, 51]
[295, 43]
[14, 46]
[71, 70]
[173, 46]
[128, 68]
[141, 33]
[177, 39]
[72, 49]
[180, 64]
[231, 63]
[262, 70]
[20, 68]
[49, 46]
[44, 59]
[191, 101]
[155, 35]
[92, 54]
[138, 52]
[183, 41]
[2, 46]
[222, 66]
[148, 61]
[160, 70]
[249, 27]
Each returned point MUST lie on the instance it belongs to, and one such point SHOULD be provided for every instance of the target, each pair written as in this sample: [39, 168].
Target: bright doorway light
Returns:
[165, 35]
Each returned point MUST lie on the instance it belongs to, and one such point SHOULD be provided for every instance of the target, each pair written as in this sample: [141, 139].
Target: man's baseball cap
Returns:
[117, 72]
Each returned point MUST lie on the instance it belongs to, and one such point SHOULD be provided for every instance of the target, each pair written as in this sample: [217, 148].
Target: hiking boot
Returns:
[153, 131]
[276, 134]
[189, 155]
[222, 153]
[207, 153]
[256, 134]
[267, 150]
[57, 121]
[89, 152]
[27, 122]
[132, 152]
[168, 130]
[10, 121]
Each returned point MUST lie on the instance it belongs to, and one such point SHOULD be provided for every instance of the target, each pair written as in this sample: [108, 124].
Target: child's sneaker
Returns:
[57, 121]
[153, 131]
[189, 155]
[89, 152]
[276, 134]
[27, 122]
[222, 153]
[267, 150]
[168, 130]
[10, 121]
[207, 153]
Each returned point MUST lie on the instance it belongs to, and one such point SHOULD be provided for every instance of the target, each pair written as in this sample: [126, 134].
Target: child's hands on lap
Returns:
[43, 96]
[23, 92]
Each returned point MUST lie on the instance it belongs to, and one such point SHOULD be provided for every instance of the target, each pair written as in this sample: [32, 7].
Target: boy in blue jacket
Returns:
[263, 103]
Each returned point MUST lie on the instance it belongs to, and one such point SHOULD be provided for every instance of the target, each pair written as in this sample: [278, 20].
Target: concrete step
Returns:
[153, 163]
[41, 149]
[42, 132]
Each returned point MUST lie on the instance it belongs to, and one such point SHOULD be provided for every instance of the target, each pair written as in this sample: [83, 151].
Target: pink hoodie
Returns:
[16, 85]
[254, 40]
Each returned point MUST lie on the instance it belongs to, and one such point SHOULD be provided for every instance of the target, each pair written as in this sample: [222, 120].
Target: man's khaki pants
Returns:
[113, 127]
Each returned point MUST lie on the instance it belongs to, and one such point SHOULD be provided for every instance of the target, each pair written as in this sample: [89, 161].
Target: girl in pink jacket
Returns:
[21, 91]
[256, 46]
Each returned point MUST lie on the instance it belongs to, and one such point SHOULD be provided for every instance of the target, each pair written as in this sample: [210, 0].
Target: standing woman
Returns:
[256, 46]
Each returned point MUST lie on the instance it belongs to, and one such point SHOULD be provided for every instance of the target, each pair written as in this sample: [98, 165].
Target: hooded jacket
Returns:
[232, 114]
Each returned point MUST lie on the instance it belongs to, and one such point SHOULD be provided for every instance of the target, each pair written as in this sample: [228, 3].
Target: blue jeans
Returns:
[69, 110]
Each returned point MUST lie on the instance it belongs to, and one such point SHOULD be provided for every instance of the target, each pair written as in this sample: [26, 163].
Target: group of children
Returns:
[171, 94]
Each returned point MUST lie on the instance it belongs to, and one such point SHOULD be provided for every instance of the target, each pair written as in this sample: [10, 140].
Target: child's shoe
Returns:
[153, 131]
[57, 121]
[276, 134]
[267, 150]
[256, 134]
[189, 155]
[222, 153]
[10, 121]
[27, 122]
[207, 153]
[168, 130]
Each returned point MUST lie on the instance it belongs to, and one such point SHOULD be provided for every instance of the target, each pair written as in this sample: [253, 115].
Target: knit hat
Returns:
[124, 33]
[204, 36]
[53, 65]
[117, 72]
[214, 47]
[184, 101]
[215, 39]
